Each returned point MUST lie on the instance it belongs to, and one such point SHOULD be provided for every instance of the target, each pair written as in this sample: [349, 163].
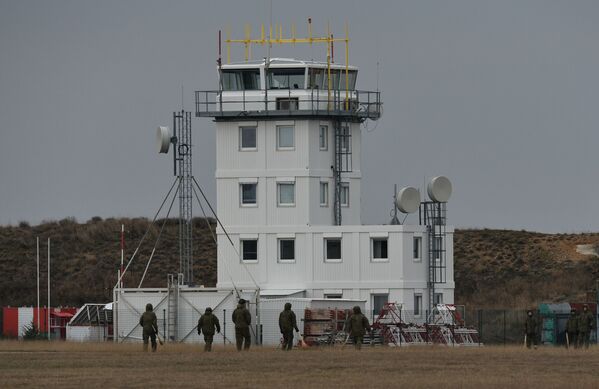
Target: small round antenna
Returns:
[439, 189]
[163, 138]
[408, 199]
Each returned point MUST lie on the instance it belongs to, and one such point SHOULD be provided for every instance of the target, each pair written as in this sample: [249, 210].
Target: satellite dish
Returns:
[439, 189]
[163, 138]
[408, 200]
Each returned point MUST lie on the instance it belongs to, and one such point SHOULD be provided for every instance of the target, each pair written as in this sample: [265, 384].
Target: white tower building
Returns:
[288, 177]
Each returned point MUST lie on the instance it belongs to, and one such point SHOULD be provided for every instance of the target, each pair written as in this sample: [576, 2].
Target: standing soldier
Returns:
[530, 330]
[572, 329]
[287, 323]
[242, 320]
[586, 322]
[357, 327]
[149, 323]
[207, 324]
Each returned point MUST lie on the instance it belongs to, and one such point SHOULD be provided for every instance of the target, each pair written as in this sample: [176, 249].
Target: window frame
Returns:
[241, 198]
[278, 135]
[286, 260]
[344, 186]
[372, 243]
[417, 304]
[242, 248]
[326, 250]
[241, 147]
[323, 184]
[417, 248]
[279, 185]
[324, 136]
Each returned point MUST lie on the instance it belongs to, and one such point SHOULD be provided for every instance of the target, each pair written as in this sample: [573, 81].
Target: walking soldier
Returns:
[586, 323]
[357, 327]
[242, 320]
[572, 329]
[287, 323]
[207, 324]
[149, 323]
[530, 330]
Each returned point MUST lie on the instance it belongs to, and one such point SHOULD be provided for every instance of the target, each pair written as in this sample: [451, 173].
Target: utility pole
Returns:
[48, 329]
[38, 284]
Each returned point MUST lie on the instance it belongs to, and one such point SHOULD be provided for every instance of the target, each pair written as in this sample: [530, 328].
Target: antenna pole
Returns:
[38, 283]
[49, 328]
[122, 251]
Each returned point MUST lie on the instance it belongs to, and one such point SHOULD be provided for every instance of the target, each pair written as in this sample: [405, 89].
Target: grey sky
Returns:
[500, 96]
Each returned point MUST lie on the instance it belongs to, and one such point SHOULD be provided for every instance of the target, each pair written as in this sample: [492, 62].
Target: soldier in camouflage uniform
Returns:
[242, 320]
[287, 323]
[357, 326]
[149, 323]
[572, 328]
[207, 324]
[530, 329]
[586, 323]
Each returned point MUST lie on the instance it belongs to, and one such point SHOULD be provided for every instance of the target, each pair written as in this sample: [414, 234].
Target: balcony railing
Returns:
[358, 106]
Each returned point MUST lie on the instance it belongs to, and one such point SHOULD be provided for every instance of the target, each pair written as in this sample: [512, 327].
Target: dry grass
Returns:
[108, 365]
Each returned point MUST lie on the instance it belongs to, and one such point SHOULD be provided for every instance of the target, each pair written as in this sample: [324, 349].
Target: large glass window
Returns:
[351, 78]
[332, 247]
[286, 78]
[249, 249]
[316, 78]
[248, 193]
[378, 302]
[241, 79]
[285, 137]
[324, 194]
[286, 193]
[247, 138]
[286, 249]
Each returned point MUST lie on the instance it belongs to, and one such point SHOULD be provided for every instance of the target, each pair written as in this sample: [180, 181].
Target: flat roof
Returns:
[283, 62]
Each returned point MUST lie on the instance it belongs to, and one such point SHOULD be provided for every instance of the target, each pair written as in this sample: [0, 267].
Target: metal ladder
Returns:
[173, 305]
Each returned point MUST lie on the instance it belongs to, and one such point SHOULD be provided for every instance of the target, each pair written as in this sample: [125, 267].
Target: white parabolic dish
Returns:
[439, 189]
[408, 199]
[163, 139]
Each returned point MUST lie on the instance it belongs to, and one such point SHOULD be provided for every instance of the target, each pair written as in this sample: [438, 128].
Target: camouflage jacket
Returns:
[241, 317]
[208, 323]
[358, 325]
[287, 321]
[149, 322]
[586, 321]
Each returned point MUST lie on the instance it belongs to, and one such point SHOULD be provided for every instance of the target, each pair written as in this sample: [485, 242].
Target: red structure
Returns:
[15, 320]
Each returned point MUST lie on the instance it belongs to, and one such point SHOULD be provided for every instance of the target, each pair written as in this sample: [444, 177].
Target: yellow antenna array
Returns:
[279, 39]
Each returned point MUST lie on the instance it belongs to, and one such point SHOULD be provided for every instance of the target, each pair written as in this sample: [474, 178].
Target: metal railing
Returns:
[359, 105]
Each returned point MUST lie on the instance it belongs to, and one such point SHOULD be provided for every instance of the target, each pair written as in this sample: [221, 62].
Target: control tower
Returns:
[288, 175]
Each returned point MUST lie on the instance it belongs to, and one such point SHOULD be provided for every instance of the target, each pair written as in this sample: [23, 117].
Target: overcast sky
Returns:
[500, 96]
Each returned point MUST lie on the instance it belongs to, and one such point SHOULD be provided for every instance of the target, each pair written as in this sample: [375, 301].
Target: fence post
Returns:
[504, 327]
[224, 327]
[480, 325]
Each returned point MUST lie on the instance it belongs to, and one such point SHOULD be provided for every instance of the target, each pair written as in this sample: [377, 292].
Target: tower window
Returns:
[379, 249]
[249, 249]
[323, 138]
[324, 194]
[286, 249]
[247, 138]
[344, 194]
[286, 195]
[248, 194]
[417, 242]
[285, 137]
[417, 305]
[332, 249]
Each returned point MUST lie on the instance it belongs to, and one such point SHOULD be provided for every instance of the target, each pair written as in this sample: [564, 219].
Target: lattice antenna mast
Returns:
[180, 138]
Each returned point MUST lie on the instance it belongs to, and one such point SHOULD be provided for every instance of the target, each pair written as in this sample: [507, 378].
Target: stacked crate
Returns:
[321, 323]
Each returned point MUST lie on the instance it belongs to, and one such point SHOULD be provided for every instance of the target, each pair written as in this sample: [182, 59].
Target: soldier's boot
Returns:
[145, 347]
[154, 346]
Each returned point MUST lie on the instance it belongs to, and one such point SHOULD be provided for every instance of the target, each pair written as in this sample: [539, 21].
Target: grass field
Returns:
[61, 364]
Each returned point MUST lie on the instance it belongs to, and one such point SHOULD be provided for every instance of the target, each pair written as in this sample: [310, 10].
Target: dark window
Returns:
[249, 250]
[333, 249]
[417, 246]
[247, 137]
[379, 248]
[248, 193]
[286, 249]
[378, 302]
[241, 79]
